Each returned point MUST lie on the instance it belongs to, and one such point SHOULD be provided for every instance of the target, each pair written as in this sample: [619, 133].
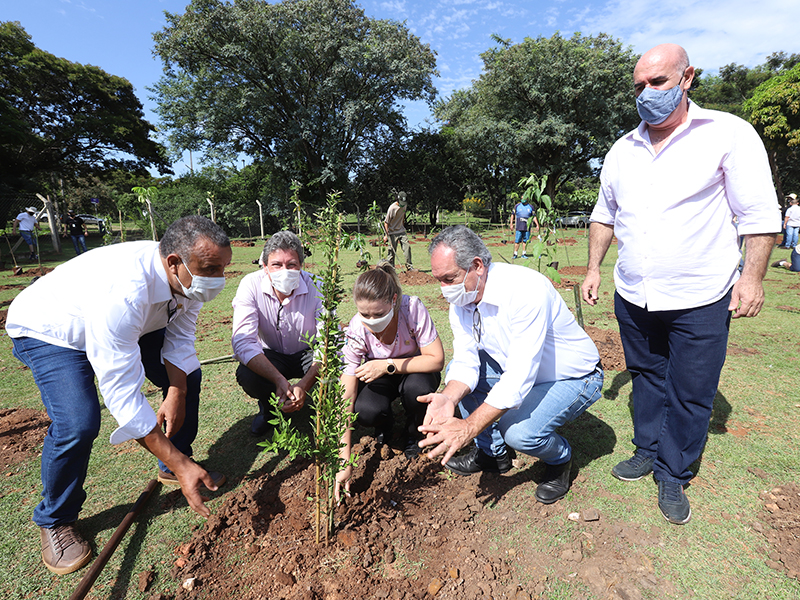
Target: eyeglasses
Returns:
[172, 308]
[477, 324]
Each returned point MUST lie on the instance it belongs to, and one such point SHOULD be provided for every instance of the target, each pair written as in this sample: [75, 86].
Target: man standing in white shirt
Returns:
[669, 191]
[522, 366]
[121, 313]
[26, 221]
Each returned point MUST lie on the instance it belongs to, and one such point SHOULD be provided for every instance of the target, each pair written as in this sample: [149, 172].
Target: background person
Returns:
[792, 222]
[523, 217]
[26, 221]
[76, 228]
[395, 230]
[522, 366]
[677, 278]
[275, 315]
[124, 312]
[392, 350]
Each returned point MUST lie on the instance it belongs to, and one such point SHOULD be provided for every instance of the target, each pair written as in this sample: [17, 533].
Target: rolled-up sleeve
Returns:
[748, 183]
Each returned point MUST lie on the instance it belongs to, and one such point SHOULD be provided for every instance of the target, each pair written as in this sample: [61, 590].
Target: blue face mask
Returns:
[655, 106]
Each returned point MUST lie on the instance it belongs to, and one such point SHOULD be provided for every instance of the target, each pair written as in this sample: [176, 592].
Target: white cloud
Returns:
[713, 33]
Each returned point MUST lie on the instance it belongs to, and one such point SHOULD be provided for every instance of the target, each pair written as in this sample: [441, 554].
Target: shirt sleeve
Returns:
[112, 348]
[355, 350]
[748, 183]
[527, 327]
[179, 338]
[606, 208]
[426, 332]
[244, 340]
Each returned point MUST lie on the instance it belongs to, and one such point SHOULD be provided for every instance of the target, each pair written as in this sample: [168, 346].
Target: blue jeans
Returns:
[79, 243]
[791, 236]
[675, 358]
[531, 427]
[66, 381]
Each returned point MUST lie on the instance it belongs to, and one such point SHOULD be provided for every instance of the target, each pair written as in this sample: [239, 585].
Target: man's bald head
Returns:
[671, 55]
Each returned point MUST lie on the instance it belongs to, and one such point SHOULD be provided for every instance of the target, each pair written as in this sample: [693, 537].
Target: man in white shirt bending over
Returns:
[669, 191]
[120, 313]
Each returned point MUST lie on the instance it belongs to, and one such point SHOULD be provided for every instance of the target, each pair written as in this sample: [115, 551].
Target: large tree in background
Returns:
[774, 110]
[65, 119]
[548, 106]
[304, 84]
[729, 89]
[421, 164]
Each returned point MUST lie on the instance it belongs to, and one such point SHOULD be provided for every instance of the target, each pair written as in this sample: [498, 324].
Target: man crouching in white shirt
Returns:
[120, 313]
[521, 368]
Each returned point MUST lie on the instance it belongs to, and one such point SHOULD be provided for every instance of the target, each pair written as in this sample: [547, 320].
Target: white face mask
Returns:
[285, 281]
[203, 289]
[457, 293]
[380, 323]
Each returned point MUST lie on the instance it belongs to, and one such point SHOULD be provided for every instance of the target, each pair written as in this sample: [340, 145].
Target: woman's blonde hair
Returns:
[380, 283]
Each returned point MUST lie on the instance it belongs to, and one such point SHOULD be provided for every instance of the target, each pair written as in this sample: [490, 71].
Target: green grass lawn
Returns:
[717, 555]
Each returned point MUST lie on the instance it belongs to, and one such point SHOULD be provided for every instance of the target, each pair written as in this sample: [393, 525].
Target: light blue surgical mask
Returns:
[655, 106]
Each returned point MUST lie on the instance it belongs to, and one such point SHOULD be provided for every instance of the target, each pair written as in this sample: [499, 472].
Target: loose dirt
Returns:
[22, 432]
[411, 531]
[782, 506]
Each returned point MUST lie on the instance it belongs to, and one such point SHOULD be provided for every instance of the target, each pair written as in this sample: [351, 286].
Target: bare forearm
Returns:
[483, 416]
[600, 236]
[758, 249]
[261, 365]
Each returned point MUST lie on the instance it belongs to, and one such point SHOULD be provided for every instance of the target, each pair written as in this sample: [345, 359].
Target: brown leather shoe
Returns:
[63, 549]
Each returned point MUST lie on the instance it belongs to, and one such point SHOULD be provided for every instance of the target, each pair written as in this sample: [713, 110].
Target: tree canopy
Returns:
[774, 110]
[65, 118]
[548, 106]
[307, 85]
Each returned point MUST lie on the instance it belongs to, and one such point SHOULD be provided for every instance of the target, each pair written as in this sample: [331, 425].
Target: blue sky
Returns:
[116, 35]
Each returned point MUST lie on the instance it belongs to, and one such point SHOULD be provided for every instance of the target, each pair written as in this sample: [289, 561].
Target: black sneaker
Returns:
[673, 503]
[634, 468]
[477, 461]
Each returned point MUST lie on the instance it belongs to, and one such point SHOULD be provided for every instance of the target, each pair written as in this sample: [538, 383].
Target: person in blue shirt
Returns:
[521, 220]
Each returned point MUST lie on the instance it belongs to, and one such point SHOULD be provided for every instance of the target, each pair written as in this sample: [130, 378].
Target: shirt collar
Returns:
[162, 291]
[492, 294]
[695, 116]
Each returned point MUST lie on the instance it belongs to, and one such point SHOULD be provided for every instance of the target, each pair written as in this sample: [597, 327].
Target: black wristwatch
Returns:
[391, 369]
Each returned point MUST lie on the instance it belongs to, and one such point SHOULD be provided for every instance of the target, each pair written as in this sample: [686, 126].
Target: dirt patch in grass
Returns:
[415, 278]
[3, 314]
[734, 350]
[609, 345]
[22, 431]
[576, 270]
[411, 531]
[242, 244]
[782, 515]
[232, 274]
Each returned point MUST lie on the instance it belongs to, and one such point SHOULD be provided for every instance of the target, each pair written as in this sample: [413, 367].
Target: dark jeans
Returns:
[675, 358]
[66, 381]
[291, 366]
[79, 243]
[374, 401]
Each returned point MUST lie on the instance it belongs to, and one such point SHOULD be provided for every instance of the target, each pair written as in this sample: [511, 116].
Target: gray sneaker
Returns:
[673, 503]
[634, 468]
